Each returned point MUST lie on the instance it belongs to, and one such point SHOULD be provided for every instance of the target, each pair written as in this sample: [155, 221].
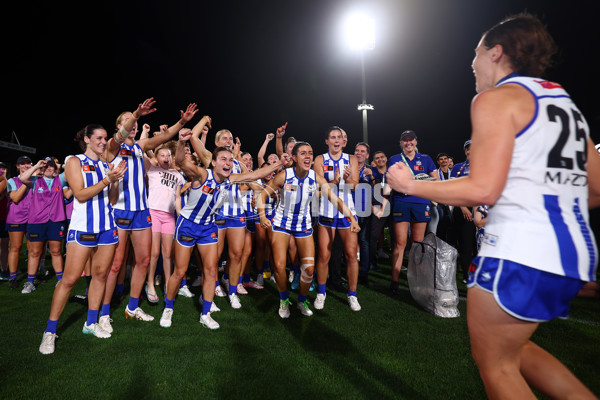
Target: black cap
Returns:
[408, 133]
[23, 159]
[50, 162]
[467, 144]
[3, 164]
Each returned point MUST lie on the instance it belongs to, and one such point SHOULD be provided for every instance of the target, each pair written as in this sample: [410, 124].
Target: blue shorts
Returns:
[525, 293]
[297, 234]
[335, 222]
[133, 220]
[403, 211]
[47, 231]
[16, 227]
[90, 239]
[224, 222]
[188, 233]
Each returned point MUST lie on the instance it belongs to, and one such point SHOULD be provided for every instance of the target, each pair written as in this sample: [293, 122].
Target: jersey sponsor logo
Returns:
[418, 168]
[548, 84]
[88, 168]
[149, 218]
[124, 152]
[566, 178]
[214, 235]
[327, 168]
[207, 190]
[115, 233]
[290, 188]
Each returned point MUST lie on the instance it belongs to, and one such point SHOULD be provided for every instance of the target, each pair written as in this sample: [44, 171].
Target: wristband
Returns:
[103, 181]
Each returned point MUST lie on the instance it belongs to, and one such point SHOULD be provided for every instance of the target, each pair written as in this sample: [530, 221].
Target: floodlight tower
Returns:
[360, 34]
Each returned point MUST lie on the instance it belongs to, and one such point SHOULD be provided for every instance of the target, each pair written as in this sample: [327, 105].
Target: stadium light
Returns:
[360, 36]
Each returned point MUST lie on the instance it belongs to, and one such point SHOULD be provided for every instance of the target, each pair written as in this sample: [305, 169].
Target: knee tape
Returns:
[304, 276]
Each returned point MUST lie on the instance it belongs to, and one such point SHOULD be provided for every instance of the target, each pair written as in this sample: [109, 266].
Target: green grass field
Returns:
[392, 349]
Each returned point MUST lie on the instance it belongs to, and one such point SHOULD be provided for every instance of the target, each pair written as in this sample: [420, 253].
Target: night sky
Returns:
[254, 65]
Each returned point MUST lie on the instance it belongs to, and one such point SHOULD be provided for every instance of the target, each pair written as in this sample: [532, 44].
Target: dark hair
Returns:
[526, 42]
[378, 152]
[363, 144]
[244, 153]
[218, 150]
[289, 140]
[441, 155]
[331, 129]
[298, 145]
[87, 131]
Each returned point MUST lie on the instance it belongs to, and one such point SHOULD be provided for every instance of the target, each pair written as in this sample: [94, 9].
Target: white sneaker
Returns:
[105, 323]
[208, 322]
[96, 330]
[260, 280]
[304, 309]
[185, 291]
[235, 301]
[320, 301]
[241, 289]
[137, 314]
[165, 319]
[47, 346]
[28, 287]
[284, 309]
[197, 282]
[219, 292]
[353, 303]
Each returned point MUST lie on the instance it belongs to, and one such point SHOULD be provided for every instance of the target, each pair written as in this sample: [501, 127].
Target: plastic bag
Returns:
[432, 276]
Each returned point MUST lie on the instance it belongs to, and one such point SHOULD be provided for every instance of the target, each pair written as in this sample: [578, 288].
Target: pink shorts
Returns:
[162, 222]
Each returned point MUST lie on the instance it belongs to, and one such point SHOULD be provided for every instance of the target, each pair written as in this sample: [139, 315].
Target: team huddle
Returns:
[155, 196]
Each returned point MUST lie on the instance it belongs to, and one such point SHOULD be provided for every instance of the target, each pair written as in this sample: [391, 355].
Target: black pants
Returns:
[462, 237]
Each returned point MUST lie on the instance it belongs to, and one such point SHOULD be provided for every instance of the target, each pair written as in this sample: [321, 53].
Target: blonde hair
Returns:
[221, 133]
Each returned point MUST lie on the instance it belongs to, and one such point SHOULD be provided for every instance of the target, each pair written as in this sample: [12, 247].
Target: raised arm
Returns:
[279, 139]
[263, 149]
[166, 135]
[198, 144]
[188, 167]
[112, 147]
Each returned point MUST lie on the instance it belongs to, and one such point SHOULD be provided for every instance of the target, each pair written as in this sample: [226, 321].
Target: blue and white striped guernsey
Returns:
[202, 201]
[293, 210]
[541, 220]
[94, 215]
[330, 165]
[232, 204]
[132, 188]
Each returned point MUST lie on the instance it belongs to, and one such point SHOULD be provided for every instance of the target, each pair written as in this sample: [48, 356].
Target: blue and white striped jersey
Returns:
[232, 202]
[94, 215]
[132, 188]
[294, 208]
[202, 201]
[330, 165]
